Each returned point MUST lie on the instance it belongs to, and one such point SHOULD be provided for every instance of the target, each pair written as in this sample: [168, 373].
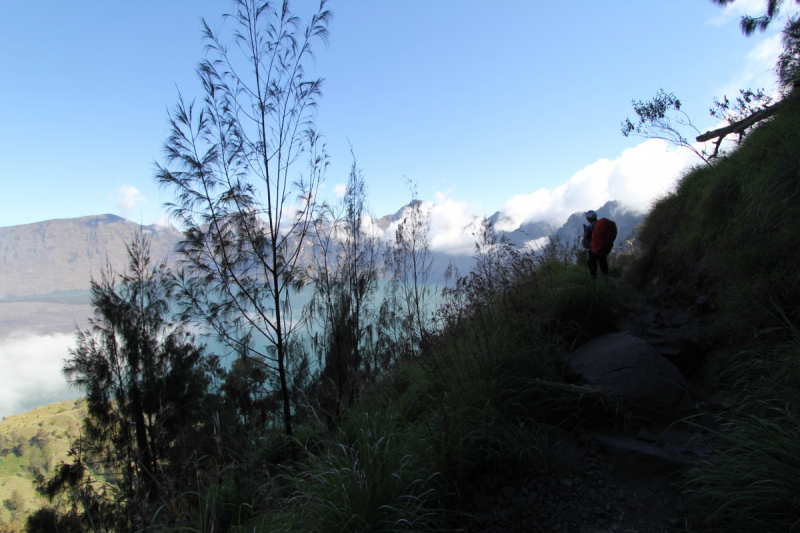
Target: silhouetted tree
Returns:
[406, 310]
[231, 166]
[662, 117]
[145, 384]
[345, 274]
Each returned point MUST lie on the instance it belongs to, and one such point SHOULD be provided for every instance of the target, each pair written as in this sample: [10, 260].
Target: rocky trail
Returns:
[622, 483]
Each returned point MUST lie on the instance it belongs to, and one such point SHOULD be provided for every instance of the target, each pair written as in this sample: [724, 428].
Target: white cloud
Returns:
[30, 372]
[452, 225]
[758, 70]
[635, 178]
[164, 222]
[127, 198]
[340, 189]
[538, 244]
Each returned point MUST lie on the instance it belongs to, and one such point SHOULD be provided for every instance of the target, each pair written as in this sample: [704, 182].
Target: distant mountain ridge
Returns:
[59, 255]
[625, 218]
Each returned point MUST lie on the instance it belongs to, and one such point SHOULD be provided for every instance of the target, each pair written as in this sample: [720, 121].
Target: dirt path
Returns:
[621, 483]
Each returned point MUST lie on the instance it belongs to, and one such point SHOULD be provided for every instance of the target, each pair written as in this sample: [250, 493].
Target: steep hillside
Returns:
[734, 226]
[58, 255]
[32, 442]
[724, 245]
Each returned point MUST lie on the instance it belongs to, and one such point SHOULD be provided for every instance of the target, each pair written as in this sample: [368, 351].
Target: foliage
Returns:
[230, 164]
[753, 481]
[788, 66]
[492, 369]
[405, 310]
[341, 313]
[747, 103]
[47, 431]
[663, 118]
[362, 483]
[737, 222]
[749, 23]
[144, 387]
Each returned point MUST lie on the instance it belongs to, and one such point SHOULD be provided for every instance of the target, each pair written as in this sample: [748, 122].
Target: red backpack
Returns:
[603, 236]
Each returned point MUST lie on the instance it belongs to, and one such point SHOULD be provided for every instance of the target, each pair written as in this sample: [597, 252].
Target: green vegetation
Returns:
[737, 221]
[410, 410]
[754, 482]
[33, 443]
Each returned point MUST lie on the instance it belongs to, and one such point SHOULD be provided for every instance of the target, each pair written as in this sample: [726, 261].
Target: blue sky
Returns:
[485, 105]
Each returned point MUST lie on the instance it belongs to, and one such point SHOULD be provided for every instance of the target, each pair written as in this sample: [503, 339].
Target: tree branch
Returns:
[740, 126]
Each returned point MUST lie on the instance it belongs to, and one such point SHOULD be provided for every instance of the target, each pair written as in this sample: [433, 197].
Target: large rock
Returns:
[630, 368]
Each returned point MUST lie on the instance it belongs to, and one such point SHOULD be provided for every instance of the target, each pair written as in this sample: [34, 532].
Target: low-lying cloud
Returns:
[635, 178]
[30, 371]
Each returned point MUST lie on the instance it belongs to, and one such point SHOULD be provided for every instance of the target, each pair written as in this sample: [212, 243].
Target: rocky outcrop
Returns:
[630, 368]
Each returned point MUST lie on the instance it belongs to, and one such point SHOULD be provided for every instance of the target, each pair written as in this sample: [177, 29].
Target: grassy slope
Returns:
[738, 222]
[474, 413]
[58, 423]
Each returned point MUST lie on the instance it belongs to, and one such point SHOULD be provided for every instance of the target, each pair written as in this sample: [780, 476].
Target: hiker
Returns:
[598, 239]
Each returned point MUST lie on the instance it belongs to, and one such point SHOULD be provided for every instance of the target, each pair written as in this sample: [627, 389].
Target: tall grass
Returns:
[369, 484]
[753, 482]
[736, 221]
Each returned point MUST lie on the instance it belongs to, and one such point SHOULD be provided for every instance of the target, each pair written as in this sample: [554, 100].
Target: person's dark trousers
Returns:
[594, 260]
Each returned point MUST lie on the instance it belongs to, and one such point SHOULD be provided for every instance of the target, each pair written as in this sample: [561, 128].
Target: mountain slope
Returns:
[60, 255]
[30, 442]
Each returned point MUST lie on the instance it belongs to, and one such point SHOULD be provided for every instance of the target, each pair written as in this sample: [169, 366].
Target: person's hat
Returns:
[590, 214]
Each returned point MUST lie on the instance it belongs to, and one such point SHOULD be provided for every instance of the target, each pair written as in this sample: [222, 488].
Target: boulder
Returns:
[630, 368]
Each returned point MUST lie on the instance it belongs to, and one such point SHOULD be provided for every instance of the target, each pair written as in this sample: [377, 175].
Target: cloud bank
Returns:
[30, 372]
[635, 178]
